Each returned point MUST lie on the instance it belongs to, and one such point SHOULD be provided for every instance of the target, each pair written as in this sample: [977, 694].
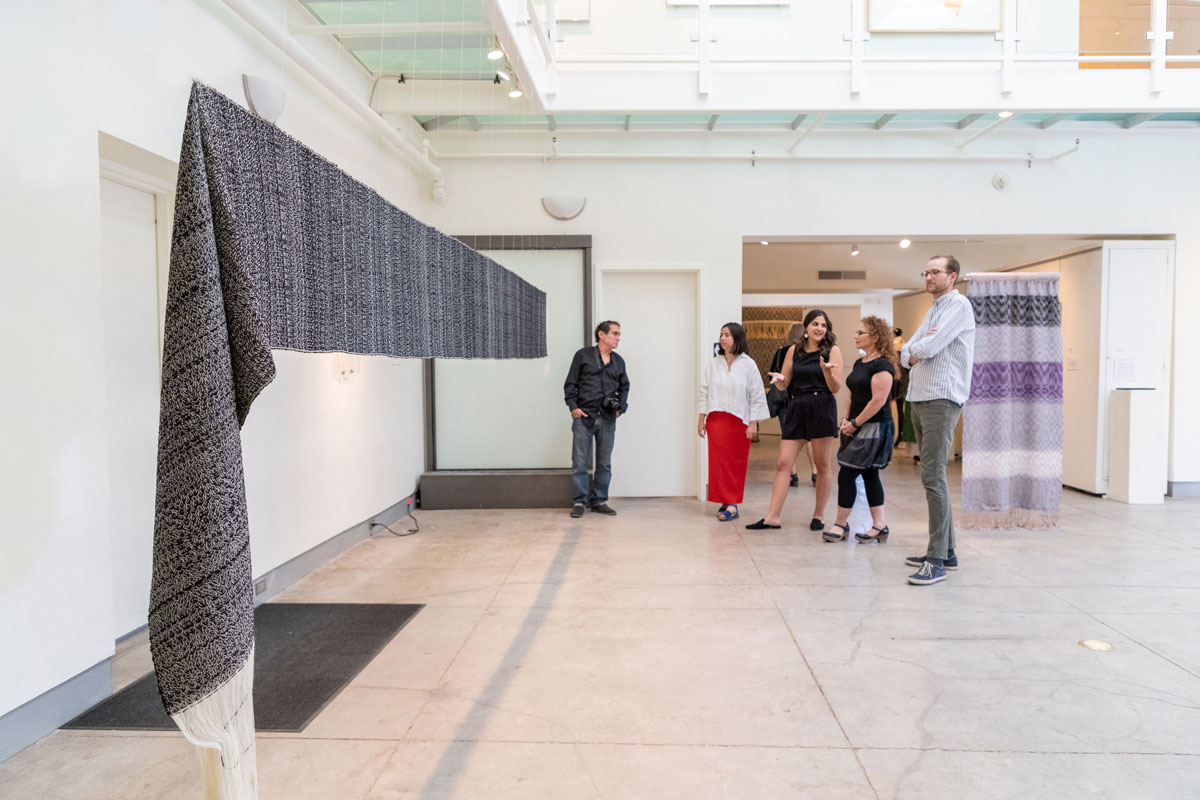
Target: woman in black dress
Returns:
[812, 372]
[795, 336]
[867, 429]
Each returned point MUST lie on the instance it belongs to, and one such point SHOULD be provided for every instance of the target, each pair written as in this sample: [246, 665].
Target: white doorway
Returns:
[129, 257]
[656, 453]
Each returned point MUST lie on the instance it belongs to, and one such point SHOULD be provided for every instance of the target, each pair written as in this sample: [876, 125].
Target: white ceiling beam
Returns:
[703, 38]
[536, 71]
[883, 120]
[1133, 120]
[967, 120]
[623, 89]
[811, 127]
[389, 28]
[441, 122]
[988, 129]
[1052, 120]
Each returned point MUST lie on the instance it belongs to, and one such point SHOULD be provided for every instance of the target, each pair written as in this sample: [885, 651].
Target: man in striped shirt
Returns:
[940, 356]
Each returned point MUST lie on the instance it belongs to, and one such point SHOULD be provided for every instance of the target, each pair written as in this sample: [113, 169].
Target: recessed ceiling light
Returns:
[853, 249]
[905, 242]
[1005, 114]
[504, 76]
[515, 92]
[764, 241]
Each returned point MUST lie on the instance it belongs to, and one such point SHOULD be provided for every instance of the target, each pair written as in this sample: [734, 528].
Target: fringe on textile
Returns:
[221, 726]
[1012, 518]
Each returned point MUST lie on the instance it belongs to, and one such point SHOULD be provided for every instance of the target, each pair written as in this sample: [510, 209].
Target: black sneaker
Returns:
[577, 510]
[604, 509]
[951, 561]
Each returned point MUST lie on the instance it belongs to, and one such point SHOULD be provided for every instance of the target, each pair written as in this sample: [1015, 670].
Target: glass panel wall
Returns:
[509, 414]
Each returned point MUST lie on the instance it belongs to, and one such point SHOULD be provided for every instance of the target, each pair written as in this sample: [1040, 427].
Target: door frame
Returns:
[694, 269]
[507, 242]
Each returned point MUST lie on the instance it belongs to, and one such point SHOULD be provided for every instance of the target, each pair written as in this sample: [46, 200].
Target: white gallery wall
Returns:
[646, 213]
[321, 455]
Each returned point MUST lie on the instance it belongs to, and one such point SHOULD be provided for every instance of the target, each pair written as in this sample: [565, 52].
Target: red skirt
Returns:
[728, 457]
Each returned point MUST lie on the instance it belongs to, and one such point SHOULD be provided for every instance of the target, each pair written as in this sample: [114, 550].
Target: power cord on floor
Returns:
[388, 528]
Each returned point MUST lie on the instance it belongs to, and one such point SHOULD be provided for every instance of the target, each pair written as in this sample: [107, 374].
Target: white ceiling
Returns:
[790, 264]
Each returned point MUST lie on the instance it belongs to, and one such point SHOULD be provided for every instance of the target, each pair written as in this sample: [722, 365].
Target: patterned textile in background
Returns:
[274, 247]
[766, 331]
[1013, 421]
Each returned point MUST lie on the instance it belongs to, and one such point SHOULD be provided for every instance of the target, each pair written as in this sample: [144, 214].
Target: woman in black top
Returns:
[812, 372]
[795, 336]
[867, 430]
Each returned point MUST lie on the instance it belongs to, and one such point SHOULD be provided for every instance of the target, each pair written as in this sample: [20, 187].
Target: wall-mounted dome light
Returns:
[905, 242]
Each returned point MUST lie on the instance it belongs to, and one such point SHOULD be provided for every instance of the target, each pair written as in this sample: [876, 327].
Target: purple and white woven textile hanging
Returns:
[1013, 421]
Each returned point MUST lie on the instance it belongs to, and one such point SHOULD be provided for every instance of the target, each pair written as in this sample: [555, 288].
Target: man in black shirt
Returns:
[597, 392]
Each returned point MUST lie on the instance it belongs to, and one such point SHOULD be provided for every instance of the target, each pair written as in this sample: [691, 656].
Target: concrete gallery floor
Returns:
[663, 654]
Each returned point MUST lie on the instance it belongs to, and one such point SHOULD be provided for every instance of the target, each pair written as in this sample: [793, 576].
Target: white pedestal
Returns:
[1137, 462]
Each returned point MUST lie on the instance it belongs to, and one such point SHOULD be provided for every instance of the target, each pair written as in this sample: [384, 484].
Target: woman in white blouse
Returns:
[732, 401]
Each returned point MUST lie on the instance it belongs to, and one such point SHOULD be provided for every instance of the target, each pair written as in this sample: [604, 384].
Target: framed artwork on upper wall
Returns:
[933, 16]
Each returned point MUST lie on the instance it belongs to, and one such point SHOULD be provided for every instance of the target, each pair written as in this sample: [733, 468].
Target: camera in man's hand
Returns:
[611, 403]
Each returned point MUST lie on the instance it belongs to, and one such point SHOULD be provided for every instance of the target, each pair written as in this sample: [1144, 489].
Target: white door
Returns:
[1138, 331]
[656, 445]
[130, 301]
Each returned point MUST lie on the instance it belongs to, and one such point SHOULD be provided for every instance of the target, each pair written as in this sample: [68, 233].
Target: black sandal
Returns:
[879, 537]
[762, 525]
[830, 536]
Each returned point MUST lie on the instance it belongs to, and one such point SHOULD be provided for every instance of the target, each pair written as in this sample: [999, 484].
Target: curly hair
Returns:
[880, 331]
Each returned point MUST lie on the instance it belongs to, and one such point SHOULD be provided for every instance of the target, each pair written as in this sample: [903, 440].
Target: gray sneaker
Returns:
[577, 510]
[951, 561]
[927, 574]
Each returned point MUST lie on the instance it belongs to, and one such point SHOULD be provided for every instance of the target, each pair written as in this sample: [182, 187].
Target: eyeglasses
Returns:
[929, 272]
[860, 333]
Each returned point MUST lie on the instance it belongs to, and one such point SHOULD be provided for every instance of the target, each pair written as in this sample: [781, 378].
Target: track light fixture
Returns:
[502, 75]
[764, 242]
[904, 243]
[515, 92]
[853, 249]
[1004, 114]
[495, 53]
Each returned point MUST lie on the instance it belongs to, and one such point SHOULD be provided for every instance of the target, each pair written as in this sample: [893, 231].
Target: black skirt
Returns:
[810, 415]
